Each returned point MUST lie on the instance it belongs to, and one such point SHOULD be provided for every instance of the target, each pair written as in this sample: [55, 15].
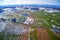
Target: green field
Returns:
[52, 35]
[11, 37]
[45, 19]
[42, 19]
[1, 35]
[33, 34]
[8, 36]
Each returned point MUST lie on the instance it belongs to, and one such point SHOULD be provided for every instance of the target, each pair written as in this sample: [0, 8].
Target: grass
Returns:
[43, 19]
[1, 35]
[52, 35]
[56, 19]
[33, 34]
[11, 37]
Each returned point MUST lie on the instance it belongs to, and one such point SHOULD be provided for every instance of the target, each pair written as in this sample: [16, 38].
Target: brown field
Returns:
[42, 34]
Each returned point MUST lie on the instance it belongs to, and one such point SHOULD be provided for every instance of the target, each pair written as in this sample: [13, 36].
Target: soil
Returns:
[42, 34]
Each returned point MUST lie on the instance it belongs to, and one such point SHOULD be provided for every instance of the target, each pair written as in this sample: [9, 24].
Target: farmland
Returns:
[46, 19]
[39, 29]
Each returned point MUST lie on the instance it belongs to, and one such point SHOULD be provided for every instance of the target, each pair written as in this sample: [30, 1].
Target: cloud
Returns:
[12, 2]
[8, 2]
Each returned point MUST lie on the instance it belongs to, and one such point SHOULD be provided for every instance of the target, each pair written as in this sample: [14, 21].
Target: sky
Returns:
[14, 2]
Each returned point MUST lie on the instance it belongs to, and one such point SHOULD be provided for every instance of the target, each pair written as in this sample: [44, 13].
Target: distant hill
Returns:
[31, 5]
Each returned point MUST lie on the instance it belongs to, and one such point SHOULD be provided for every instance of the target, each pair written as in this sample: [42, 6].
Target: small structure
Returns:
[25, 14]
[52, 10]
[29, 20]
[42, 8]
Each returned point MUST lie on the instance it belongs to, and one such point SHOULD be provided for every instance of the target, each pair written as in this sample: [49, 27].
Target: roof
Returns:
[25, 14]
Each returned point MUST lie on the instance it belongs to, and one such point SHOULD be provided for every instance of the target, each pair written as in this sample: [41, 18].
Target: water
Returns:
[56, 30]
